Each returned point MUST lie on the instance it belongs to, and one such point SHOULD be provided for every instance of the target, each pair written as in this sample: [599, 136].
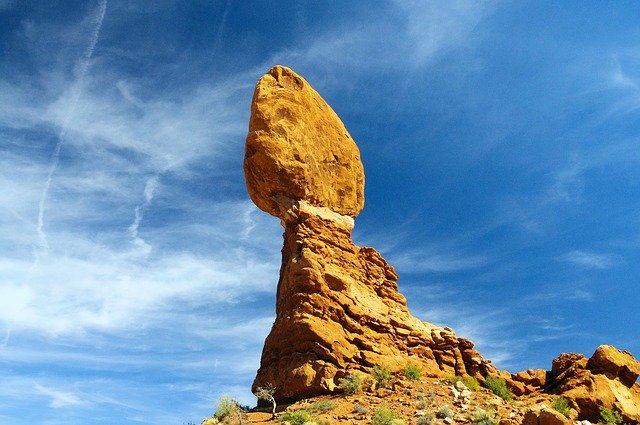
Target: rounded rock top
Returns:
[299, 149]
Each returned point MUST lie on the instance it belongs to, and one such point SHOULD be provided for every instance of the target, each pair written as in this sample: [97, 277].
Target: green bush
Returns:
[499, 388]
[469, 381]
[561, 404]
[351, 384]
[610, 416]
[381, 375]
[412, 372]
[226, 409]
[296, 417]
[322, 406]
[485, 417]
[384, 416]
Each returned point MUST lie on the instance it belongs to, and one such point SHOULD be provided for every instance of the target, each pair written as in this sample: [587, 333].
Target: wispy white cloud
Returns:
[434, 27]
[589, 259]
[83, 66]
[149, 190]
[58, 398]
[436, 262]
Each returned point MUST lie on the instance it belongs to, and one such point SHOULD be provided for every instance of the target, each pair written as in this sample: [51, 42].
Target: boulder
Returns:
[297, 148]
[614, 364]
[545, 416]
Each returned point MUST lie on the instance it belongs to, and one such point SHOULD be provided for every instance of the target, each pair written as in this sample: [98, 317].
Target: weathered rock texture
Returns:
[299, 149]
[607, 379]
[338, 308]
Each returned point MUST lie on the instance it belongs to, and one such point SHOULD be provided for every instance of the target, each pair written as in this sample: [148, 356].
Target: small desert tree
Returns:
[266, 394]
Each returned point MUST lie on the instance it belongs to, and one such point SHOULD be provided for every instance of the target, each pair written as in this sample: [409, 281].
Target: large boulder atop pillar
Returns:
[298, 148]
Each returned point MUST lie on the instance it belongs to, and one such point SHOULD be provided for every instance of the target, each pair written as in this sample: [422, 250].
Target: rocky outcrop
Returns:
[607, 379]
[338, 309]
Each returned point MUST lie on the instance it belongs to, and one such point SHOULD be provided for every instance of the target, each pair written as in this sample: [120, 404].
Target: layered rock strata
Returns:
[338, 308]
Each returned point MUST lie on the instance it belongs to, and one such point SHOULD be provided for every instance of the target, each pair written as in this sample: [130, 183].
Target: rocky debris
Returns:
[461, 395]
[338, 309]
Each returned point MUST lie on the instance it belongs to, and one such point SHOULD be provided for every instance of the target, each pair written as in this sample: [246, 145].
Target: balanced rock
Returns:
[338, 309]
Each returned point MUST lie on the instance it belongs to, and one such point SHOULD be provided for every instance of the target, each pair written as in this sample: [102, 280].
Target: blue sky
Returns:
[137, 280]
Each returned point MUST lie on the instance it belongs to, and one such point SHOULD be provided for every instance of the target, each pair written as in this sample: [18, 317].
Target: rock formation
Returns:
[338, 308]
[607, 379]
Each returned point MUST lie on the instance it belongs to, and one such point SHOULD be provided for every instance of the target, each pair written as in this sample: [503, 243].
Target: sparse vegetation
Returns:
[485, 417]
[444, 412]
[296, 417]
[228, 410]
[322, 406]
[610, 416]
[561, 404]
[422, 403]
[469, 381]
[266, 393]
[412, 372]
[351, 384]
[384, 416]
[360, 409]
[499, 387]
[381, 375]
[426, 419]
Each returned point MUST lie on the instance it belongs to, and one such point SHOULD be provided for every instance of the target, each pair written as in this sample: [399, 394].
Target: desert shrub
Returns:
[426, 419]
[296, 417]
[610, 416]
[384, 416]
[485, 417]
[381, 375]
[322, 406]
[499, 388]
[444, 412]
[412, 372]
[226, 409]
[469, 381]
[561, 404]
[422, 403]
[360, 409]
[351, 384]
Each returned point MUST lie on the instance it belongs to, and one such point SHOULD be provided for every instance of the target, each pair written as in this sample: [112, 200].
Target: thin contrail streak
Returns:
[223, 22]
[43, 243]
